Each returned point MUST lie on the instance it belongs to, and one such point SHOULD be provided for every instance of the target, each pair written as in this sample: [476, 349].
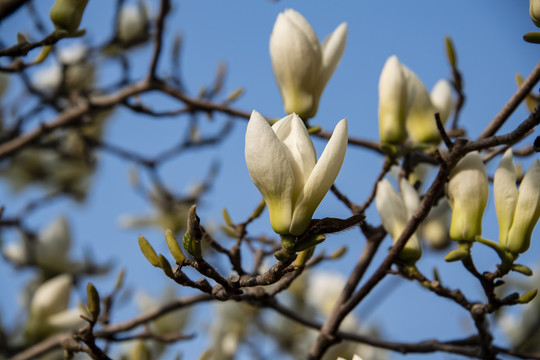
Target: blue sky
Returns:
[488, 38]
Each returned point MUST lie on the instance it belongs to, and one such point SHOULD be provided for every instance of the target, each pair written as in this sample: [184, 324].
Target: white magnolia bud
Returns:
[302, 66]
[517, 211]
[132, 23]
[67, 14]
[467, 192]
[392, 102]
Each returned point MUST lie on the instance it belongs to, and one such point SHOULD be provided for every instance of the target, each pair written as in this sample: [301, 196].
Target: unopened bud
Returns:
[148, 251]
[67, 14]
[93, 301]
[174, 248]
[166, 266]
[528, 297]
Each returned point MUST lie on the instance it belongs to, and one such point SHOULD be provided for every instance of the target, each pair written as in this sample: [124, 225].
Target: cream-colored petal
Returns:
[410, 197]
[506, 194]
[321, 178]
[534, 11]
[269, 168]
[299, 148]
[296, 61]
[527, 211]
[391, 208]
[467, 191]
[51, 297]
[441, 98]
[435, 228]
[420, 122]
[392, 102]
[333, 48]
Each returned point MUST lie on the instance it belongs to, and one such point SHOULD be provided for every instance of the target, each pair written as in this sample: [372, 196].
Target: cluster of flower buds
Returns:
[406, 109]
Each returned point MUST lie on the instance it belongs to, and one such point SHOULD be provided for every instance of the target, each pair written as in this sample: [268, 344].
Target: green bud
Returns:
[450, 51]
[21, 38]
[93, 301]
[522, 269]
[288, 242]
[148, 251]
[166, 266]
[235, 94]
[314, 130]
[192, 247]
[303, 257]
[258, 211]
[456, 255]
[284, 256]
[338, 253]
[310, 243]
[227, 218]
[528, 297]
[174, 248]
[67, 14]
[120, 279]
[532, 37]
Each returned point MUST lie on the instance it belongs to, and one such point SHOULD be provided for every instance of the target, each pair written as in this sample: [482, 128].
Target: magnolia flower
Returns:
[534, 11]
[302, 66]
[395, 211]
[132, 24]
[467, 193]
[49, 308]
[422, 106]
[406, 107]
[49, 251]
[436, 226]
[282, 163]
[517, 211]
[67, 14]
[392, 102]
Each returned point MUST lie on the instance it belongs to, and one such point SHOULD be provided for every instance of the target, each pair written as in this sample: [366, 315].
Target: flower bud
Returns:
[517, 211]
[467, 193]
[302, 66]
[392, 102]
[436, 226]
[67, 14]
[420, 122]
[133, 24]
[442, 100]
[395, 210]
[534, 11]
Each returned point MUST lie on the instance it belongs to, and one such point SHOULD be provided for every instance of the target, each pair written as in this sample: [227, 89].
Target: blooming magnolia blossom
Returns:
[467, 192]
[302, 66]
[517, 211]
[395, 211]
[282, 162]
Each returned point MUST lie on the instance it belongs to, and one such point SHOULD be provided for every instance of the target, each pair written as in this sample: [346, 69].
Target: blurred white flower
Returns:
[133, 23]
[395, 210]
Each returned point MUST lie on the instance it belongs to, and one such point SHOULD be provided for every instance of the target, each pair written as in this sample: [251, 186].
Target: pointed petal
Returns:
[441, 98]
[410, 197]
[270, 171]
[392, 102]
[391, 208]
[467, 191]
[299, 148]
[333, 48]
[296, 61]
[420, 121]
[506, 194]
[321, 178]
[527, 210]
